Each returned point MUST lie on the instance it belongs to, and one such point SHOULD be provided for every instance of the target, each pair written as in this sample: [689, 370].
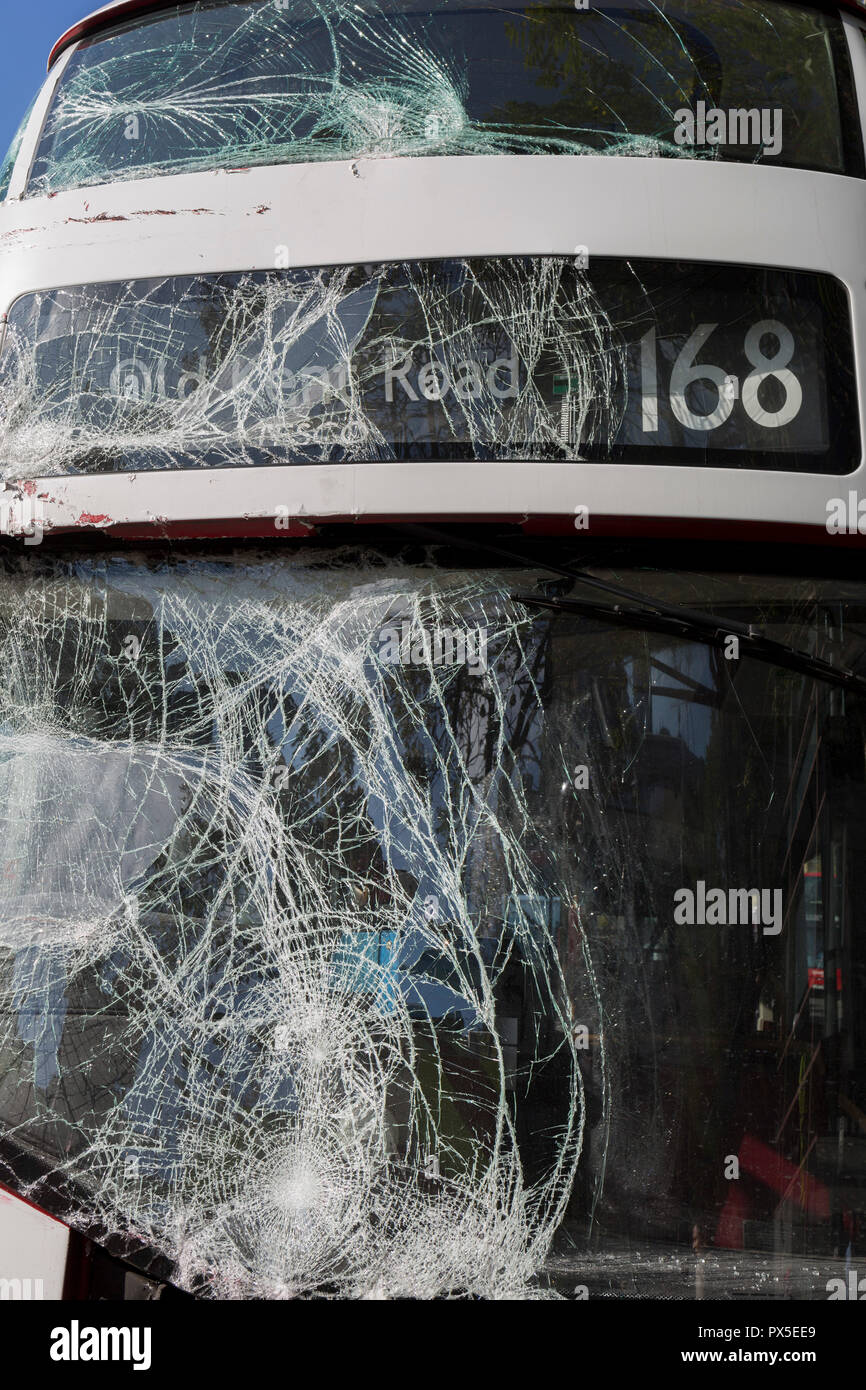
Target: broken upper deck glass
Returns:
[263, 82]
[8, 166]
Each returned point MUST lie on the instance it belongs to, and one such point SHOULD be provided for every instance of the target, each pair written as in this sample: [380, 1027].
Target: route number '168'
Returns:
[686, 370]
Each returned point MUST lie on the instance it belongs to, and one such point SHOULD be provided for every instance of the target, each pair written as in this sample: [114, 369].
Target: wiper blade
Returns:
[711, 633]
[656, 615]
[672, 610]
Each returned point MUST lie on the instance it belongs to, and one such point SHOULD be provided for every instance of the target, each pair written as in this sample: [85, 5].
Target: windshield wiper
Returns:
[656, 615]
[711, 633]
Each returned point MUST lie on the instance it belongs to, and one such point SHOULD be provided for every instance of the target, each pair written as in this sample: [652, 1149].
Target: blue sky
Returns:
[31, 30]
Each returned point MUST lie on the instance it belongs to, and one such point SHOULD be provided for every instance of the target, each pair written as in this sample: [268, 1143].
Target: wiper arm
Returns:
[657, 616]
[672, 610]
[711, 633]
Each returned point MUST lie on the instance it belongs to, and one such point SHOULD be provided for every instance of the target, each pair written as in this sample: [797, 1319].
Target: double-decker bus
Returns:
[433, 648]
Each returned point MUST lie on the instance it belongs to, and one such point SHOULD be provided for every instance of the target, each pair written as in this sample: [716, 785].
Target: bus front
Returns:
[432, 616]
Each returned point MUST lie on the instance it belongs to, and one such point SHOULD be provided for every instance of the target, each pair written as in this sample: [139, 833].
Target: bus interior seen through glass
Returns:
[478, 908]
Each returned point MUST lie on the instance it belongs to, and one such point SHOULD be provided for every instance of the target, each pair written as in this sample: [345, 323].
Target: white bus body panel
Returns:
[33, 1250]
[395, 209]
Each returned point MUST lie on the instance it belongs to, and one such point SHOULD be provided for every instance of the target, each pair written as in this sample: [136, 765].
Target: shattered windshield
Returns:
[8, 165]
[214, 85]
[507, 358]
[365, 933]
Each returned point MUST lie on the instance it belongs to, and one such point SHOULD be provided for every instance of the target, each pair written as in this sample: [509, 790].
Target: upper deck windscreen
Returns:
[287, 81]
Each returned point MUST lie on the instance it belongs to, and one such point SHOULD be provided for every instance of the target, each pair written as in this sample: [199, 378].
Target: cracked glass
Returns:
[208, 86]
[9, 160]
[510, 358]
[339, 954]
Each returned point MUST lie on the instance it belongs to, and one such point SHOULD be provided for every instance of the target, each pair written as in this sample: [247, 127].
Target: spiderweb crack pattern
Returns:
[308, 365]
[250, 980]
[262, 83]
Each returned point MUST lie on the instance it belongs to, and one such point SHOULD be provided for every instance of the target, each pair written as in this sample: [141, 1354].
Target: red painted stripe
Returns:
[628, 527]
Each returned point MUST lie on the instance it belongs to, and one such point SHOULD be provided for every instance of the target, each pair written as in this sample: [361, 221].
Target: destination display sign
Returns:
[517, 358]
